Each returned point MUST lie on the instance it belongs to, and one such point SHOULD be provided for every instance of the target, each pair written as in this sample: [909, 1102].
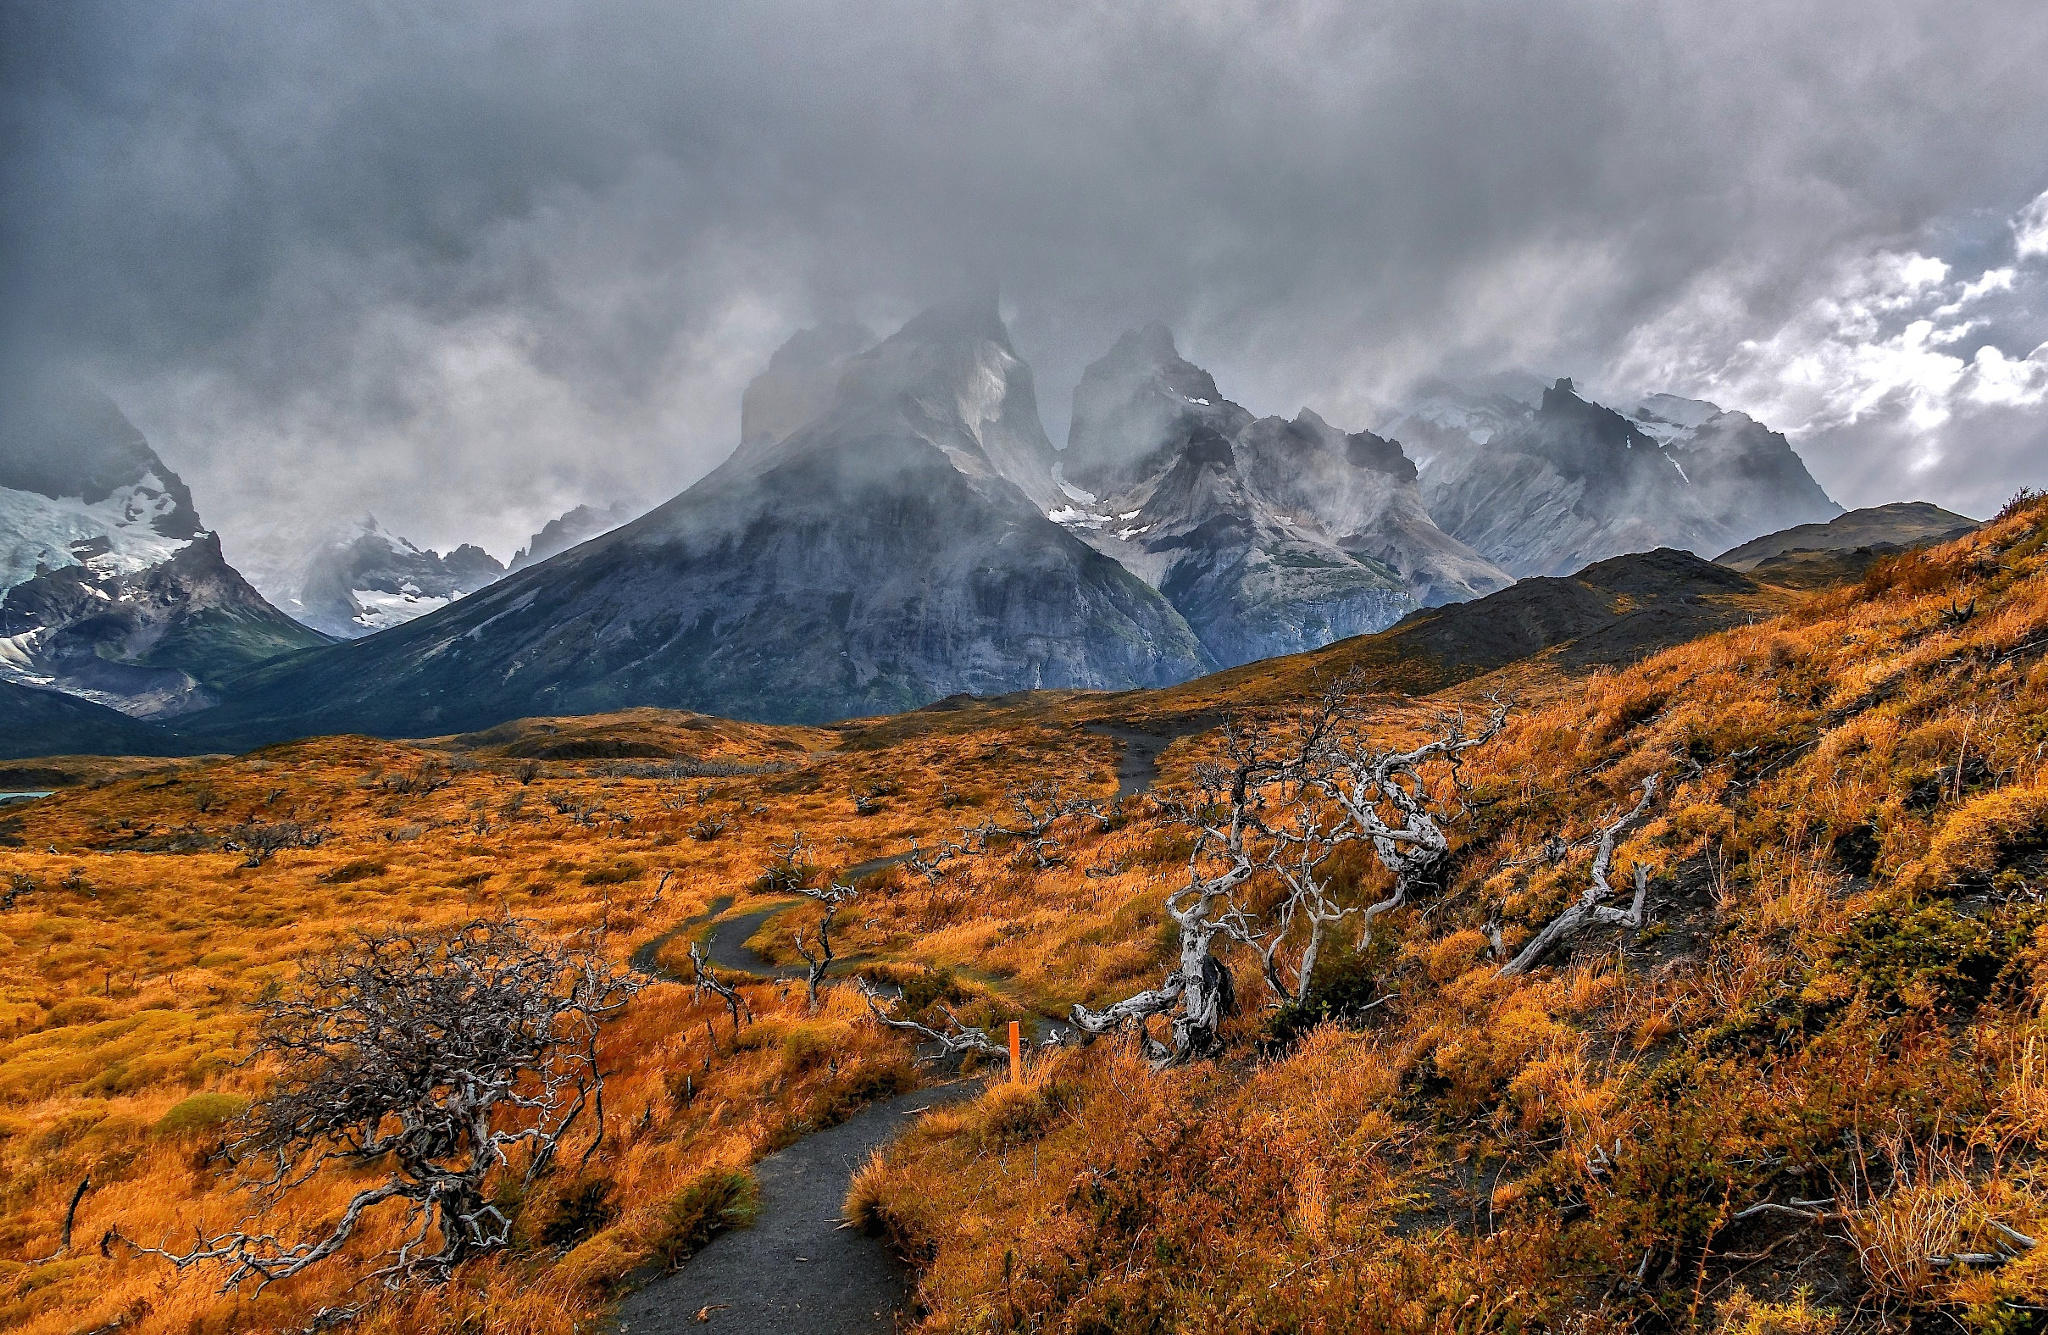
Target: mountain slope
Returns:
[46, 723]
[1878, 528]
[1544, 482]
[1609, 614]
[1269, 535]
[876, 559]
[109, 587]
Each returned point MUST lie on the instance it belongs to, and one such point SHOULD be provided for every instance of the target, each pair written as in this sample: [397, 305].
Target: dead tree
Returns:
[1295, 856]
[431, 1057]
[705, 980]
[930, 864]
[959, 1037]
[261, 841]
[1392, 799]
[817, 953]
[1226, 814]
[791, 867]
[1591, 907]
[1275, 812]
[1039, 807]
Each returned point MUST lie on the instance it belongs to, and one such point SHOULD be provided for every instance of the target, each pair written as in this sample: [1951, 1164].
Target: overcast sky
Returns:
[466, 264]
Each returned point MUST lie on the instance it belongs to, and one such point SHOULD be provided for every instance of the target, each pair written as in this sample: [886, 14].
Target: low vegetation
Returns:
[1717, 1006]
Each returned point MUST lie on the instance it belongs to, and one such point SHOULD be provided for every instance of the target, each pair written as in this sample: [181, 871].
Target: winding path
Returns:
[799, 1268]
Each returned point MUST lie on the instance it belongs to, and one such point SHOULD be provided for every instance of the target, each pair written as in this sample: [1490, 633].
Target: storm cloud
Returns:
[467, 264]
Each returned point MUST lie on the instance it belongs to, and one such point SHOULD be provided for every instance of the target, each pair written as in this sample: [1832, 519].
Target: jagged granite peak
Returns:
[566, 530]
[1546, 484]
[1270, 535]
[1360, 489]
[874, 560]
[799, 381]
[1134, 400]
[366, 579]
[109, 588]
[952, 375]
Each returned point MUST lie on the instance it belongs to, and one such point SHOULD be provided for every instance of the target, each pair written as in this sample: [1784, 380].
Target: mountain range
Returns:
[110, 588]
[1544, 481]
[893, 528]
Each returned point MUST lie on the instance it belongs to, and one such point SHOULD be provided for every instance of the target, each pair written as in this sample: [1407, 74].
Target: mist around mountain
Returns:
[1269, 535]
[110, 588]
[893, 551]
[566, 530]
[1543, 481]
[364, 579]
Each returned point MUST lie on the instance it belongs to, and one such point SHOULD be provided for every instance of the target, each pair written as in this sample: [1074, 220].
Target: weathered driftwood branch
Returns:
[1274, 812]
[817, 953]
[1388, 797]
[704, 980]
[959, 1037]
[1591, 909]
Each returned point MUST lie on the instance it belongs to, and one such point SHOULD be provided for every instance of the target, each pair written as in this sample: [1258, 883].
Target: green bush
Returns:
[1933, 955]
[201, 1112]
[719, 1199]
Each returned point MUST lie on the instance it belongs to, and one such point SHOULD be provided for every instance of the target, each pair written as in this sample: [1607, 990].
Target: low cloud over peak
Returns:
[467, 264]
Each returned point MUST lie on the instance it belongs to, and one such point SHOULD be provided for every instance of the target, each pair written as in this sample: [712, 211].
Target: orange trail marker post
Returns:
[1016, 1053]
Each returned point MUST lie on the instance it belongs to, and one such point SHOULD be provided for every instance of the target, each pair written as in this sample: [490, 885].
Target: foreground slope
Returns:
[1806, 1097]
[1609, 614]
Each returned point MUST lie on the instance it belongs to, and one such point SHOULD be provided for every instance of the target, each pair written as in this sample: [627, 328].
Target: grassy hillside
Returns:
[1837, 1002]
[1834, 1002]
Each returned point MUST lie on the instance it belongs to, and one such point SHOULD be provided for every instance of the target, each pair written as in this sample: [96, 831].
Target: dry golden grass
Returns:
[124, 975]
[1844, 974]
[1848, 955]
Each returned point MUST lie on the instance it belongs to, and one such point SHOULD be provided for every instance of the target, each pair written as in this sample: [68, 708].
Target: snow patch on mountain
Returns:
[115, 535]
[1666, 418]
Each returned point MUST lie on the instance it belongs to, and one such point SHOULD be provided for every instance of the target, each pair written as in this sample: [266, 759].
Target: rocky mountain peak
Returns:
[799, 381]
[1579, 434]
[109, 587]
[952, 377]
[568, 529]
[67, 441]
[1134, 399]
